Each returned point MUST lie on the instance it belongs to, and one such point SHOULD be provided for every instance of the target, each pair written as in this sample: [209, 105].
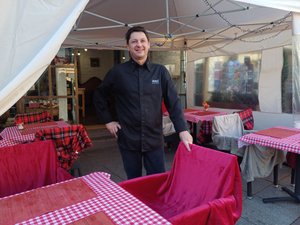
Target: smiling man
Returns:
[139, 87]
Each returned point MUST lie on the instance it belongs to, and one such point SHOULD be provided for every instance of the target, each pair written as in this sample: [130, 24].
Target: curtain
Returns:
[32, 32]
[269, 85]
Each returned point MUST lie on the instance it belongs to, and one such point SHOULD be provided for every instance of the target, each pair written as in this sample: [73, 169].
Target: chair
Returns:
[226, 130]
[69, 142]
[202, 187]
[292, 162]
[35, 117]
[257, 161]
[205, 131]
[171, 137]
[247, 118]
[27, 166]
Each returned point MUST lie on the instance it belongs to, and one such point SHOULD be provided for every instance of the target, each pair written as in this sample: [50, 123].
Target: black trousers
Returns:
[154, 162]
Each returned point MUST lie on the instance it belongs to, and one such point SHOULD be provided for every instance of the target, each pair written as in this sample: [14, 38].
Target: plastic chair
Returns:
[69, 142]
[35, 117]
[203, 187]
[257, 161]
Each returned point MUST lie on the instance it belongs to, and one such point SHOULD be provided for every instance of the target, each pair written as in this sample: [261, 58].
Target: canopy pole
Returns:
[168, 18]
[295, 68]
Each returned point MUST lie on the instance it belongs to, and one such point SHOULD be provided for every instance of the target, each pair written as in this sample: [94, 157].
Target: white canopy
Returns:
[34, 30]
[291, 5]
[176, 24]
[31, 34]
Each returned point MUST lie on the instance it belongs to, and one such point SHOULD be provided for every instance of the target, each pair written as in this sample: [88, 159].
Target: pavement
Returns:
[104, 156]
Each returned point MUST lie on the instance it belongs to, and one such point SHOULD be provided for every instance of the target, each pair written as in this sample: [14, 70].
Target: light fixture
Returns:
[78, 53]
[85, 49]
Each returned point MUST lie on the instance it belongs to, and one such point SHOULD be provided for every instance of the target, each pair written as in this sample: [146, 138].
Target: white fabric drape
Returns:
[287, 5]
[32, 32]
[269, 88]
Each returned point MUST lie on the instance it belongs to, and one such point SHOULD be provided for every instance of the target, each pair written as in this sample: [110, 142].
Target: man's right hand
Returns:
[113, 128]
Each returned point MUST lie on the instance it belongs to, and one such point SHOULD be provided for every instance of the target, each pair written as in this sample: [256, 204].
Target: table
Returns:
[12, 135]
[85, 199]
[281, 138]
[205, 117]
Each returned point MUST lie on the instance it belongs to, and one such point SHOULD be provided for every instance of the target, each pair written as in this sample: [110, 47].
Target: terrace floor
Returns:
[104, 156]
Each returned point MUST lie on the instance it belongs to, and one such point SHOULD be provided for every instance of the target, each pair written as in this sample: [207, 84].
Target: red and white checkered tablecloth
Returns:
[114, 201]
[12, 135]
[195, 116]
[289, 144]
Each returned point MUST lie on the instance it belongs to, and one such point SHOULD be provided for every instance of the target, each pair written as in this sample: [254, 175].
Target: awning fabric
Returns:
[288, 5]
[32, 33]
[34, 30]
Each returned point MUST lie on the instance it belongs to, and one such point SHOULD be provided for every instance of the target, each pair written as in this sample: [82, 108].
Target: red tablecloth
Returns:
[33, 117]
[107, 197]
[69, 142]
[27, 166]
[12, 135]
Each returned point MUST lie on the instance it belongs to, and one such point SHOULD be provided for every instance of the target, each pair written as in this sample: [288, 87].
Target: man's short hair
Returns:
[135, 29]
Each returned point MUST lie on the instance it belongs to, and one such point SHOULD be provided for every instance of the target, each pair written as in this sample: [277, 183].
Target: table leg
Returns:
[195, 132]
[294, 195]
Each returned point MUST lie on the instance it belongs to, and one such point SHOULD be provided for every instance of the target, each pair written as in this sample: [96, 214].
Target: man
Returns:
[138, 87]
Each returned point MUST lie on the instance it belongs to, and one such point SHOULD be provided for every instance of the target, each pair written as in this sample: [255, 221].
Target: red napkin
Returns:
[277, 132]
[190, 110]
[204, 113]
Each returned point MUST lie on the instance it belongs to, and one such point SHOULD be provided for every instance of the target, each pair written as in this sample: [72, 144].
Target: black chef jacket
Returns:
[138, 93]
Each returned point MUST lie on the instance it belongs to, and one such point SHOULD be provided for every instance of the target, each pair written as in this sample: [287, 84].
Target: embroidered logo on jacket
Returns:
[155, 81]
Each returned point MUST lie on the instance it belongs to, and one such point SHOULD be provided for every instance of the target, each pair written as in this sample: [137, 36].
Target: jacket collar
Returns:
[147, 65]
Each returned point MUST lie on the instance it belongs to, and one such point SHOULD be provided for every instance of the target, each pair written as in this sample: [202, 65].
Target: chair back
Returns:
[247, 118]
[168, 126]
[203, 187]
[226, 130]
[227, 125]
[27, 166]
[69, 142]
[34, 117]
[200, 177]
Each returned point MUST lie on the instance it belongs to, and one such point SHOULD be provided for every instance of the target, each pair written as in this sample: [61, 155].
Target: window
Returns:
[228, 81]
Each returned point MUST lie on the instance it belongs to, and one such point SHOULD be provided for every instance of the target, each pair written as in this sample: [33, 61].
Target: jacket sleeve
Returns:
[172, 101]
[101, 98]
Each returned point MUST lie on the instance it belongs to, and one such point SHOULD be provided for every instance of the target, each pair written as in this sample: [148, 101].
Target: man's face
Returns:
[138, 46]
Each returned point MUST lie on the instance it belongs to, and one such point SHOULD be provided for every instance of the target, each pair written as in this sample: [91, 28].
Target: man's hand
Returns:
[113, 128]
[186, 138]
